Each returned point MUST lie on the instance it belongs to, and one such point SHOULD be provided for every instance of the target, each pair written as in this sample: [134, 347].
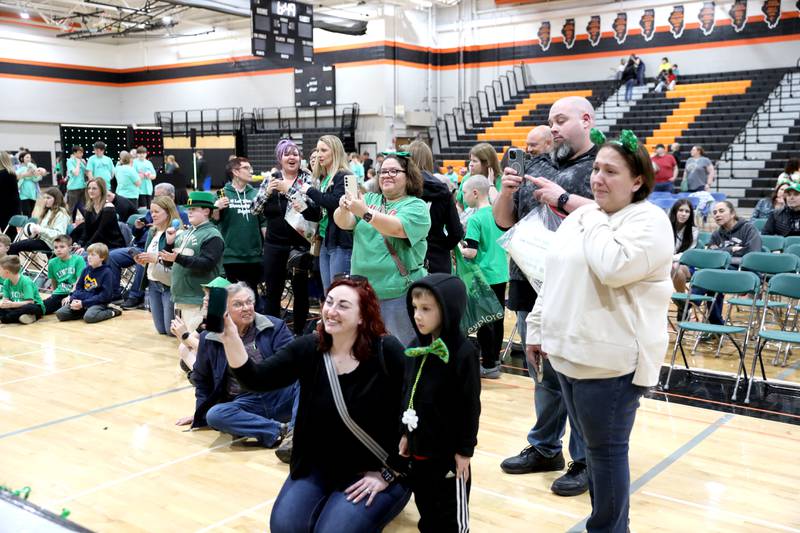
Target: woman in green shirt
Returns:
[390, 231]
[128, 181]
[28, 177]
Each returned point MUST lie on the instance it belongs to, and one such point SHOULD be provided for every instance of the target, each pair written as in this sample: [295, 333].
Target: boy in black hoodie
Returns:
[91, 298]
[441, 404]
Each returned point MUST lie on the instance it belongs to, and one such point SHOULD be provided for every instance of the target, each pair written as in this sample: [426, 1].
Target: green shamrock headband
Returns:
[388, 153]
[627, 139]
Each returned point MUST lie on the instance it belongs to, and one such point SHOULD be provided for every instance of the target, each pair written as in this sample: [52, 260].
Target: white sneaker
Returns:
[27, 319]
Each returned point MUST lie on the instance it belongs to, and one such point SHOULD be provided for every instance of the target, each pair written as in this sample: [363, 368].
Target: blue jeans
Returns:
[715, 315]
[258, 415]
[629, 89]
[605, 410]
[310, 504]
[663, 187]
[331, 262]
[161, 306]
[551, 413]
[394, 312]
[119, 259]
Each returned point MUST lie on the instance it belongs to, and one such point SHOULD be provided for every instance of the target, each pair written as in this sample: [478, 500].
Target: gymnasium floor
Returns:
[87, 421]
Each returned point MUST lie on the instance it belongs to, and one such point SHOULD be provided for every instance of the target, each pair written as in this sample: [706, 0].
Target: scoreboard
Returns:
[314, 86]
[283, 31]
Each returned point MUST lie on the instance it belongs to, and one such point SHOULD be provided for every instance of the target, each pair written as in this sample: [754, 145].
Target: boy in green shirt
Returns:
[76, 178]
[21, 302]
[100, 165]
[128, 181]
[481, 246]
[147, 173]
[63, 271]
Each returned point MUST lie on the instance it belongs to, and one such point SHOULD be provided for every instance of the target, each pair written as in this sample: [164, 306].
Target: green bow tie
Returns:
[436, 348]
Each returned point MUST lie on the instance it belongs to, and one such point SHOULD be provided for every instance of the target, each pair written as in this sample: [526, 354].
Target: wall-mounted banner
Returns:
[620, 27]
[772, 12]
[593, 30]
[544, 35]
[568, 32]
[648, 24]
[677, 21]
[738, 14]
[706, 18]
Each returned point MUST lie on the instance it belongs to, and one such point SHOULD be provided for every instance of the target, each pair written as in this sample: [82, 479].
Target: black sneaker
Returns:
[115, 309]
[284, 451]
[574, 482]
[530, 460]
[133, 303]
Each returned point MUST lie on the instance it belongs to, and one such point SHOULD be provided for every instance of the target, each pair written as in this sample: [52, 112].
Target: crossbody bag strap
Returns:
[341, 407]
[400, 266]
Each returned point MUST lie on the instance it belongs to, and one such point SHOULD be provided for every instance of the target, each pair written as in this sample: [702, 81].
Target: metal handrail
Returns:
[216, 121]
[493, 102]
[480, 110]
[502, 99]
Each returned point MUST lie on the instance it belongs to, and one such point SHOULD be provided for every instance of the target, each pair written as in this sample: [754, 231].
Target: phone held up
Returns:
[217, 305]
[351, 185]
[516, 160]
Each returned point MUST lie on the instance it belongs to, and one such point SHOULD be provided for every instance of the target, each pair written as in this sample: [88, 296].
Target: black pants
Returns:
[441, 498]
[75, 198]
[145, 199]
[275, 273]
[53, 303]
[26, 207]
[490, 336]
[11, 316]
[250, 273]
[28, 245]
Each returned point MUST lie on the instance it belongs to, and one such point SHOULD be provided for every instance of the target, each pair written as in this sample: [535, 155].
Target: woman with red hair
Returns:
[334, 478]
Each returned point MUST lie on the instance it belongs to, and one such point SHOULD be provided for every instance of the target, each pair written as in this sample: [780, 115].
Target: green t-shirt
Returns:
[126, 183]
[65, 273]
[28, 187]
[25, 289]
[142, 166]
[75, 183]
[323, 222]
[101, 167]
[491, 257]
[370, 256]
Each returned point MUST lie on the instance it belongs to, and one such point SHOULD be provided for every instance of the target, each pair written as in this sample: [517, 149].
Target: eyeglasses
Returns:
[242, 305]
[391, 172]
[351, 277]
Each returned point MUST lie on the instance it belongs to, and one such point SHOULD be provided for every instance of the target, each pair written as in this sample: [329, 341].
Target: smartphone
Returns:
[178, 313]
[516, 160]
[221, 193]
[351, 185]
[217, 305]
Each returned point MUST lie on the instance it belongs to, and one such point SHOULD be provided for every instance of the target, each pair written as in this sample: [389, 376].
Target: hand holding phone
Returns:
[351, 186]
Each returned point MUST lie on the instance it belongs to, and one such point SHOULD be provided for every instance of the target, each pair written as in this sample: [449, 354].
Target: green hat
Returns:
[201, 199]
[794, 185]
[218, 282]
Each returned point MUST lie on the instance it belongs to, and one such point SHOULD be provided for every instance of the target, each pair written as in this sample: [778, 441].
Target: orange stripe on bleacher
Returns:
[696, 97]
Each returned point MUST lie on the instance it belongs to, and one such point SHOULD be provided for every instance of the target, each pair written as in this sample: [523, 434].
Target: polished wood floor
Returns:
[87, 413]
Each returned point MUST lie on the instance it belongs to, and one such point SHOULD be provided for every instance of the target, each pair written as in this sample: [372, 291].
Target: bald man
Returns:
[560, 178]
[539, 141]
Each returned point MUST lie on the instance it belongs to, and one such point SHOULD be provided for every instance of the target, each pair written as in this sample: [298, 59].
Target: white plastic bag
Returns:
[528, 241]
[302, 226]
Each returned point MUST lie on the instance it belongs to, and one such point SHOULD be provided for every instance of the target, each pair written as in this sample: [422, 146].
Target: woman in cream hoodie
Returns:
[601, 316]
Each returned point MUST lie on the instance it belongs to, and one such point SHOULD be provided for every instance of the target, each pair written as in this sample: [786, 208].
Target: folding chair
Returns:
[787, 285]
[700, 259]
[793, 249]
[17, 221]
[703, 238]
[792, 240]
[719, 282]
[759, 223]
[773, 243]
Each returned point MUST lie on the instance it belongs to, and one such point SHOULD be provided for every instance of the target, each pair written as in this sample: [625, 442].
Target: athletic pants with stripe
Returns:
[441, 498]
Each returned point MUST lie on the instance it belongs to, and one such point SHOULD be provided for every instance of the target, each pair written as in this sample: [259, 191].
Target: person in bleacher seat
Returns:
[681, 217]
[666, 168]
[699, 171]
[53, 221]
[629, 78]
[786, 221]
[792, 170]
[766, 206]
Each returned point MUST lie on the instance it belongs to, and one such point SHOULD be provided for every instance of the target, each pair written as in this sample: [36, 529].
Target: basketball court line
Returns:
[19, 354]
[92, 411]
[773, 526]
[53, 347]
[667, 462]
[525, 503]
[53, 373]
[237, 515]
[40, 367]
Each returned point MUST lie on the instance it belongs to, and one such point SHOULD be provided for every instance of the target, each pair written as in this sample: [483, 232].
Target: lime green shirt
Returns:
[371, 258]
[25, 289]
[323, 222]
[65, 273]
[143, 166]
[75, 183]
[28, 187]
[101, 167]
[491, 257]
[126, 183]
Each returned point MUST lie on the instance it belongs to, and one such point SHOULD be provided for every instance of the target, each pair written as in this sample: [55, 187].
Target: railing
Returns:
[284, 120]
[220, 121]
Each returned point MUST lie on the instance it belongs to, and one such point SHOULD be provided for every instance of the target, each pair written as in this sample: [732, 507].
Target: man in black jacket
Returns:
[786, 222]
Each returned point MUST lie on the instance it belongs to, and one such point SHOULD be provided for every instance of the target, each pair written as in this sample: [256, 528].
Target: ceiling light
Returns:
[25, 15]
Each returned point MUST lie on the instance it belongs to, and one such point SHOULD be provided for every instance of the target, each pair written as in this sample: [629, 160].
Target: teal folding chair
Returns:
[17, 221]
[793, 249]
[759, 223]
[788, 286]
[703, 238]
[718, 282]
[132, 219]
[699, 259]
[792, 240]
[773, 243]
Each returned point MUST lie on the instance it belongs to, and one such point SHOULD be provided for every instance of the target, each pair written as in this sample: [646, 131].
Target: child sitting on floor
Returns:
[91, 299]
[21, 301]
[63, 271]
[5, 244]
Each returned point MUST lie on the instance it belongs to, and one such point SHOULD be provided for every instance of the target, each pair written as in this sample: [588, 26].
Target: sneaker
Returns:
[133, 303]
[27, 319]
[117, 310]
[707, 337]
[491, 373]
[574, 482]
[284, 451]
[530, 460]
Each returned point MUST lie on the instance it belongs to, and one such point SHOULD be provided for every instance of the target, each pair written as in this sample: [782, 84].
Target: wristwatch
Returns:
[367, 217]
[562, 200]
[387, 475]
[185, 335]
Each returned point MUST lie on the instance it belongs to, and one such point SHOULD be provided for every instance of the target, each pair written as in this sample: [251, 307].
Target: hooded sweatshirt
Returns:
[447, 399]
[94, 287]
[446, 229]
[784, 222]
[240, 229]
[742, 234]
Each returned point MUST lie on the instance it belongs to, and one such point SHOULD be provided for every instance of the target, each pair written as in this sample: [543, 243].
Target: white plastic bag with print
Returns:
[528, 241]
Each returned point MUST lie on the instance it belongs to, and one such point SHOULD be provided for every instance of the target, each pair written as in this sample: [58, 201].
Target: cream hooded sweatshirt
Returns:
[602, 310]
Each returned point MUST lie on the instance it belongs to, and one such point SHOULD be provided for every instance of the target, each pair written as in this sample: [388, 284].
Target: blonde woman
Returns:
[483, 160]
[9, 192]
[54, 219]
[337, 244]
[97, 218]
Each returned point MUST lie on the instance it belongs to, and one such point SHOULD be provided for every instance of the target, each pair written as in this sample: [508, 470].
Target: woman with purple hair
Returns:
[276, 199]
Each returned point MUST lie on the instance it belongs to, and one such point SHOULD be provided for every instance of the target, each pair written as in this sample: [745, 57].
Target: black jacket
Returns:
[99, 227]
[9, 198]
[446, 229]
[335, 237]
[784, 222]
[448, 395]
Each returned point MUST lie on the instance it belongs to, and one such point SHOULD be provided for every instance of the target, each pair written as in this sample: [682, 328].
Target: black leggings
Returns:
[275, 273]
[28, 245]
[26, 207]
[490, 336]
